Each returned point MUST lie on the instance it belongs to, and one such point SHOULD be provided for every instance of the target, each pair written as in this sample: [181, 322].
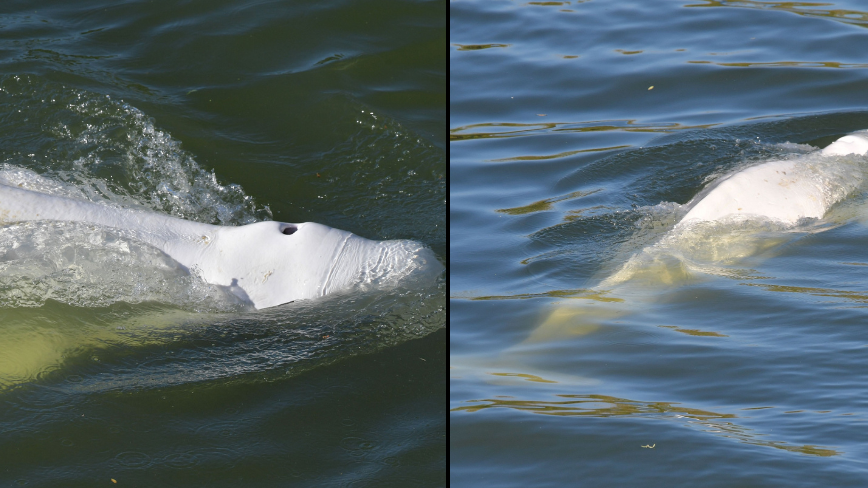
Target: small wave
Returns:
[92, 146]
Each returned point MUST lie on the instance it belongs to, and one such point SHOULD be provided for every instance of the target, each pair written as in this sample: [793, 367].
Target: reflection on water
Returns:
[509, 129]
[549, 4]
[808, 9]
[853, 296]
[694, 332]
[477, 47]
[602, 406]
[524, 376]
[787, 64]
[545, 205]
[595, 295]
[628, 52]
[558, 155]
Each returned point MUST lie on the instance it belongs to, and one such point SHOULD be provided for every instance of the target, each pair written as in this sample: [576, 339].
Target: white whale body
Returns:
[778, 190]
[265, 263]
[735, 217]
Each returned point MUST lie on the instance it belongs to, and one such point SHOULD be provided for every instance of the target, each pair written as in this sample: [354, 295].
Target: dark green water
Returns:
[116, 365]
[732, 356]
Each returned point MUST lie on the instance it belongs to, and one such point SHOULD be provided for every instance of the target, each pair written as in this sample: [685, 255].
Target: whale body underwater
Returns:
[724, 223]
[265, 263]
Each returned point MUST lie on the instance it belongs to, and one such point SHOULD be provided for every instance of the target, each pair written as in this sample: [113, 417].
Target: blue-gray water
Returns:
[118, 368]
[577, 129]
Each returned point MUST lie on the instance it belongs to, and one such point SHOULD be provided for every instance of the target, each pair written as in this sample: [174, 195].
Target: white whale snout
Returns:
[276, 262]
[369, 263]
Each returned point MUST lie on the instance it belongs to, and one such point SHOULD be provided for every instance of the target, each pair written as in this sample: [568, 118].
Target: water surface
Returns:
[115, 363]
[728, 356]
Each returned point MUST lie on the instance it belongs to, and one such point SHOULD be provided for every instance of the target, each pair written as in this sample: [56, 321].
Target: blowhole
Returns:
[288, 229]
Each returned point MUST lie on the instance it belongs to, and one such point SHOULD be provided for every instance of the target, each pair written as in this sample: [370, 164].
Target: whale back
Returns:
[777, 190]
[784, 191]
[856, 143]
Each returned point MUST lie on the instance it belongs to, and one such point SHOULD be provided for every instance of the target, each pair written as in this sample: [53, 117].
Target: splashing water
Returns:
[91, 147]
[74, 297]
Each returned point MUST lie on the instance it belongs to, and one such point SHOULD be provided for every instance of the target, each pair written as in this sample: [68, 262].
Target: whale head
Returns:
[270, 263]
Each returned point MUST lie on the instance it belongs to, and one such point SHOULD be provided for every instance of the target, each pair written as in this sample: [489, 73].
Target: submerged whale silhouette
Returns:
[265, 263]
[780, 192]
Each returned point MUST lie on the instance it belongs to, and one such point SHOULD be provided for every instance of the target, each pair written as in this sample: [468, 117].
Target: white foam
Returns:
[105, 151]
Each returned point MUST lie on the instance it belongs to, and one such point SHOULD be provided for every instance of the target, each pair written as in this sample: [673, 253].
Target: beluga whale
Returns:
[265, 263]
[785, 191]
[736, 216]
